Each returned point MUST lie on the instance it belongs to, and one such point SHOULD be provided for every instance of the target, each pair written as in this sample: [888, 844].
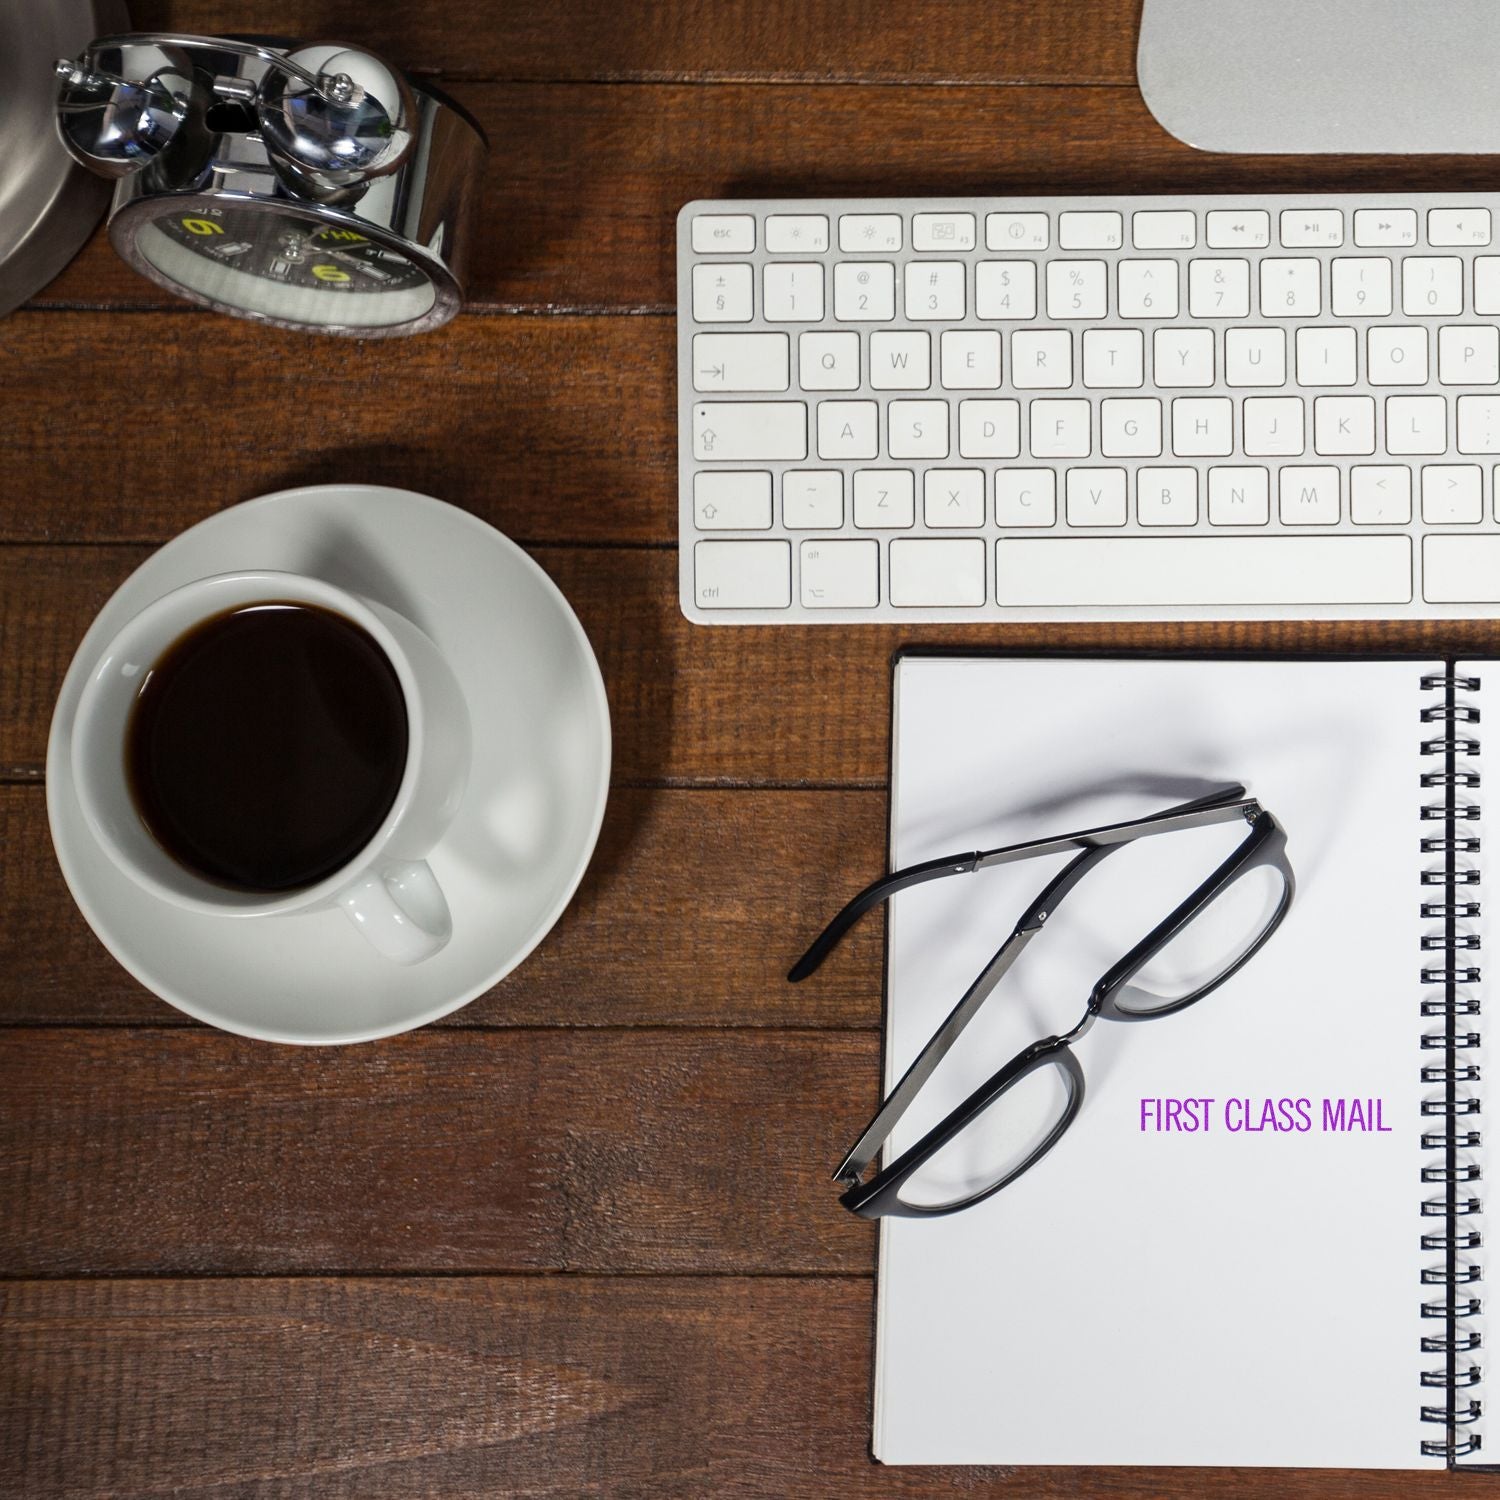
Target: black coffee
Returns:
[267, 745]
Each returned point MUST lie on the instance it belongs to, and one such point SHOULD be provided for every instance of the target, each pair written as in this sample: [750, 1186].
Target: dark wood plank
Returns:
[689, 703]
[656, 1388]
[190, 1152]
[695, 906]
[585, 181]
[992, 41]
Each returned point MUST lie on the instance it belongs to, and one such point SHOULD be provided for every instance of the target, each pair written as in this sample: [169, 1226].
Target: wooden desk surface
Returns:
[579, 1238]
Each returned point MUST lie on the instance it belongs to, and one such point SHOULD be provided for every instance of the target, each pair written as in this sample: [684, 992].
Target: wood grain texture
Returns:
[543, 1387]
[192, 1152]
[689, 704]
[992, 41]
[694, 907]
[585, 181]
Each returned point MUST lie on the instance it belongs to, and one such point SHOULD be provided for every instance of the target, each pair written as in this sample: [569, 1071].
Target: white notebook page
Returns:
[1150, 1297]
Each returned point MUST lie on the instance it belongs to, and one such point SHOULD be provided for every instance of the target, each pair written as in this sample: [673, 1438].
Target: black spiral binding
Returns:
[1456, 1111]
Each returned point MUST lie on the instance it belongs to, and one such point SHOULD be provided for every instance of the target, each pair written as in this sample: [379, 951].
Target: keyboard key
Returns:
[1238, 229]
[1148, 289]
[792, 234]
[1238, 495]
[812, 499]
[1432, 286]
[1202, 426]
[1130, 427]
[1005, 289]
[1458, 226]
[1092, 229]
[1416, 424]
[1361, 286]
[1375, 227]
[953, 497]
[1343, 425]
[1041, 359]
[1452, 494]
[723, 293]
[1380, 494]
[1309, 495]
[840, 575]
[1326, 356]
[1096, 497]
[885, 499]
[723, 234]
[971, 360]
[1219, 288]
[864, 291]
[1479, 424]
[1112, 572]
[869, 232]
[1308, 228]
[742, 575]
[1469, 354]
[737, 430]
[917, 429]
[900, 361]
[934, 290]
[1166, 497]
[1461, 569]
[1113, 358]
[1255, 356]
[937, 574]
[741, 362]
[1398, 356]
[848, 429]
[1164, 229]
[1077, 289]
[942, 231]
[1487, 284]
[1059, 429]
[989, 429]
[828, 361]
[1016, 232]
[1274, 426]
[793, 293]
[1182, 357]
[1025, 497]
[729, 500]
[1290, 288]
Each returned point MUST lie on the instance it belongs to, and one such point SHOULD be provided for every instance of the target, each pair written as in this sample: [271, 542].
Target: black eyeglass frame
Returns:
[1263, 846]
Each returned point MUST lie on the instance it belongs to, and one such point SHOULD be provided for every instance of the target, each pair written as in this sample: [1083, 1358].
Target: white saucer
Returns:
[523, 835]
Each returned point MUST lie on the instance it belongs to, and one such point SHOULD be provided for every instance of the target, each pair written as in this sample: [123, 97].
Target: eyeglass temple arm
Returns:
[1219, 806]
[862, 1153]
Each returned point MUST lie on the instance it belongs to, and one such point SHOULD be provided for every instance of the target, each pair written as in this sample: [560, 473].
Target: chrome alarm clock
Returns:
[307, 186]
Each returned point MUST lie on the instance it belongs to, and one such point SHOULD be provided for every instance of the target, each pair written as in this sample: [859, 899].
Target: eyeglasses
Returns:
[1013, 1120]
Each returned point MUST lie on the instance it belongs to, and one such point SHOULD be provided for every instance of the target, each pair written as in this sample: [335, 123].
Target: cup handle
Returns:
[401, 911]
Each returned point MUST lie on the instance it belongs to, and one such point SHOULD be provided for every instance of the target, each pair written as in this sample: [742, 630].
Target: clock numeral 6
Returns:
[202, 226]
[330, 273]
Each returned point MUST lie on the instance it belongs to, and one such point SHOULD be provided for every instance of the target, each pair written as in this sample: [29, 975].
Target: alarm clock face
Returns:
[286, 267]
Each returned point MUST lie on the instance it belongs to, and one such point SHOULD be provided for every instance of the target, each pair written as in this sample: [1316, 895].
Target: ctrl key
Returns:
[742, 575]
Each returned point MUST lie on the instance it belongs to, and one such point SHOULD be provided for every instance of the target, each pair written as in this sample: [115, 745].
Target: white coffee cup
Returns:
[387, 890]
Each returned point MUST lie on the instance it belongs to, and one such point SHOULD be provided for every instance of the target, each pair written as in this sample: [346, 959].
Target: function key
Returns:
[1239, 229]
[1095, 229]
[1458, 226]
[723, 234]
[789, 233]
[1311, 228]
[1016, 231]
[1376, 228]
[1154, 229]
[869, 232]
[942, 231]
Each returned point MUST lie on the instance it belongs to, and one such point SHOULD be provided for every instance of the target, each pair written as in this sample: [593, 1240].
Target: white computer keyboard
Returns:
[1198, 407]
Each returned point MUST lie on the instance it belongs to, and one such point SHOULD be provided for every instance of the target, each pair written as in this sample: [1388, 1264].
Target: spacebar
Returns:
[1205, 570]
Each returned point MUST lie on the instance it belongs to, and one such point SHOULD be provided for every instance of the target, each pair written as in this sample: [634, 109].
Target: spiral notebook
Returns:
[1287, 1268]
